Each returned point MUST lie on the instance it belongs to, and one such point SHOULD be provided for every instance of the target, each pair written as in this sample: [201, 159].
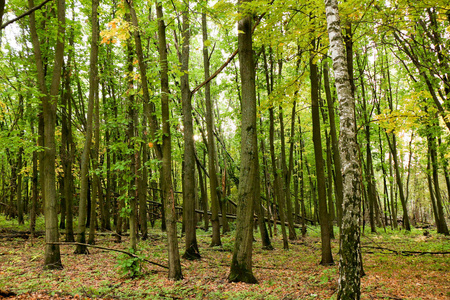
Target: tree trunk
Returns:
[52, 258]
[286, 176]
[213, 181]
[241, 264]
[167, 189]
[189, 184]
[334, 143]
[84, 172]
[34, 189]
[327, 257]
[371, 189]
[350, 249]
[442, 224]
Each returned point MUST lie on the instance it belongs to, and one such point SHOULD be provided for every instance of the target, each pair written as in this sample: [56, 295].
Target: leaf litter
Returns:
[291, 274]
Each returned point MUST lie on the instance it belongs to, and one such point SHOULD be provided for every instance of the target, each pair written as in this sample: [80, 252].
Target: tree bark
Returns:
[350, 247]
[327, 257]
[286, 178]
[241, 264]
[49, 102]
[189, 183]
[213, 181]
[442, 224]
[334, 144]
[168, 193]
[84, 172]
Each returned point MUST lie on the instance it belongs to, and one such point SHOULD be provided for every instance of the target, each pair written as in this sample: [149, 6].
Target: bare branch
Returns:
[25, 14]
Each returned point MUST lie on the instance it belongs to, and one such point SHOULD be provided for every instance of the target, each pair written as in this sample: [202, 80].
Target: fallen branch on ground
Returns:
[109, 249]
[406, 252]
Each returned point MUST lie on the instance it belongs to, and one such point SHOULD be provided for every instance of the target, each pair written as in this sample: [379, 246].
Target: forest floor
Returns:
[292, 274]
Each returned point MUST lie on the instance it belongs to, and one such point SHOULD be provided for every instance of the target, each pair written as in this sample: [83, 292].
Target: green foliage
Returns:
[130, 266]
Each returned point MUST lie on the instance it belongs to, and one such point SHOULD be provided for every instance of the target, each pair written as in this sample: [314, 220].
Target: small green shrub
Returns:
[130, 266]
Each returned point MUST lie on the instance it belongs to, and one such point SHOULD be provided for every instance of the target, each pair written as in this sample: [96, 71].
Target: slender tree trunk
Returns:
[371, 189]
[189, 184]
[167, 188]
[327, 258]
[96, 186]
[20, 204]
[34, 189]
[203, 197]
[131, 134]
[334, 144]
[241, 264]
[398, 178]
[442, 224]
[302, 180]
[350, 265]
[431, 190]
[213, 181]
[52, 258]
[286, 176]
[265, 239]
[84, 173]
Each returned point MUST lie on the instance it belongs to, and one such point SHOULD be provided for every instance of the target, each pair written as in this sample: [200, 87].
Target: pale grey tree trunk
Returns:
[350, 258]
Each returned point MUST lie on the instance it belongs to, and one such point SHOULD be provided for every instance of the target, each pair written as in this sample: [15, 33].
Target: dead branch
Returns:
[110, 249]
[406, 252]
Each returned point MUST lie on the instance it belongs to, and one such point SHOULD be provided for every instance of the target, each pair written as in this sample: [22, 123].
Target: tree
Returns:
[349, 263]
[241, 264]
[189, 183]
[49, 104]
[213, 181]
[327, 257]
[168, 193]
[93, 91]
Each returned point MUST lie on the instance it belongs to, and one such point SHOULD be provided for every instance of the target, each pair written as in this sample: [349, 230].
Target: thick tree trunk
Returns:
[241, 264]
[167, 188]
[350, 249]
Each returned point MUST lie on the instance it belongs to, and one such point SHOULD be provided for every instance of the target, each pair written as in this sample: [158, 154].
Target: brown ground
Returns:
[293, 274]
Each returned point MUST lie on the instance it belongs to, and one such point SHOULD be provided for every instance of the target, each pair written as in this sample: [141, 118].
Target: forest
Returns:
[249, 149]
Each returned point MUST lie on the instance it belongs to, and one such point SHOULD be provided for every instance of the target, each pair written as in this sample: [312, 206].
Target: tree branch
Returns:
[25, 14]
[406, 253]
[110, 249]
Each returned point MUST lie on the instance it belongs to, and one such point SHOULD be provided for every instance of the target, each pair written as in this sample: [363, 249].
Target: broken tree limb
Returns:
[110, 249]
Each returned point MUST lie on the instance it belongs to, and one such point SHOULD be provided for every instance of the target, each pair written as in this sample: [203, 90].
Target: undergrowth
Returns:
[282, 274]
